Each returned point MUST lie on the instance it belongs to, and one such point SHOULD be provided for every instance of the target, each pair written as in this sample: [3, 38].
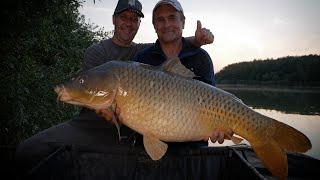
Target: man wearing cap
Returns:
[126, 20]
[90, 130]
[168, 21]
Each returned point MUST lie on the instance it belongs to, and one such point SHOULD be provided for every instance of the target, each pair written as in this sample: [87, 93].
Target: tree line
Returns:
[42, 44]
[290, 70]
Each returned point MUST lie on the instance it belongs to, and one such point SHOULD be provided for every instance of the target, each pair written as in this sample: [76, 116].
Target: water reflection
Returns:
[292, 102]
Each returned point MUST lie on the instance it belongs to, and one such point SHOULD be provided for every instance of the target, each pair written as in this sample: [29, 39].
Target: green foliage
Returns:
[298, 71]
[42, 44]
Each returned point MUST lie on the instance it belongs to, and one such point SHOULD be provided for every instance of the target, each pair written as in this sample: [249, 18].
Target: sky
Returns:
[244, 30]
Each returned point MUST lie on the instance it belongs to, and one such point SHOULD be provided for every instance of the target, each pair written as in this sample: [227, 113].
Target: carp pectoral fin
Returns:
[115, 121]
[154, 147]
[174, 66]
[273, 157]
[236, 140]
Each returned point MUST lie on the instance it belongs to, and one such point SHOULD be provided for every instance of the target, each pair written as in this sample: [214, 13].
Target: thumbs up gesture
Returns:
[203, 35]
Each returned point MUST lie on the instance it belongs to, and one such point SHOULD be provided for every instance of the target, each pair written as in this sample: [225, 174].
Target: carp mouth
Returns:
[64, 96]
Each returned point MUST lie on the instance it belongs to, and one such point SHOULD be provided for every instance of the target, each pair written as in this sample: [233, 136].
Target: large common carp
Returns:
[165, 104]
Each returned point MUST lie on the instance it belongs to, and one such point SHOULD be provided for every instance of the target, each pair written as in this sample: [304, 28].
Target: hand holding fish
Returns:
[219, 136]
[108, 114]
[113, 116]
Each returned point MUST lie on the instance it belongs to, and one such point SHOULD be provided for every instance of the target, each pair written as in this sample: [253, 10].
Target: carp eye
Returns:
[81, 81]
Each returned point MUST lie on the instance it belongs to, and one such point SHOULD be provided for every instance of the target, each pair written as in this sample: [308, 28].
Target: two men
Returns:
[90, 129]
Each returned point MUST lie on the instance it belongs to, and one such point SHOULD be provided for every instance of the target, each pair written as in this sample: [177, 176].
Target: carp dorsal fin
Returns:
[154, 147]
[174, 66]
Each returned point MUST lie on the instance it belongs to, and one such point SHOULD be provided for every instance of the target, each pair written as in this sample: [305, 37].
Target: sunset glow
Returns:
[244, 30]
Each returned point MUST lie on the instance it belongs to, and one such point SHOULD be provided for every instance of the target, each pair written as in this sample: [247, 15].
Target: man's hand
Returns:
[203, 36]
[220, 136]
[113, 117]
[107, 114]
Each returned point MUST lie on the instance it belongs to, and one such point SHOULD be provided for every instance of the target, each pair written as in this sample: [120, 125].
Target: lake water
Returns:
[299, 108]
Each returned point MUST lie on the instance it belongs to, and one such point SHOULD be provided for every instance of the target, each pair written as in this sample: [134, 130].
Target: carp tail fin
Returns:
[273, 157]
[272, 151]
[290, 138]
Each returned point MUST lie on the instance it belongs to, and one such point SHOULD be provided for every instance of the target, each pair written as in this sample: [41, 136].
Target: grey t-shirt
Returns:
[95, 55]
[107, 50]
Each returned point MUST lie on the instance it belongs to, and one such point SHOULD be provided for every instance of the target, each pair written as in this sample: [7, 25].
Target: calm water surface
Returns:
[297, 108]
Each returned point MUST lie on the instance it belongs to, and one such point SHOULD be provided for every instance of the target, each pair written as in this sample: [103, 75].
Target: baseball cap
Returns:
[173, 3]
[133, 5]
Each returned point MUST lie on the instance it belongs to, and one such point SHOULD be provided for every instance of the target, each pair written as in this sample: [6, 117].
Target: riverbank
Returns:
[275, 88]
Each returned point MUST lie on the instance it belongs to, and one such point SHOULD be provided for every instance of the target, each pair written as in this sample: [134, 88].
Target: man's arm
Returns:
[202, 36]
[204, 67]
